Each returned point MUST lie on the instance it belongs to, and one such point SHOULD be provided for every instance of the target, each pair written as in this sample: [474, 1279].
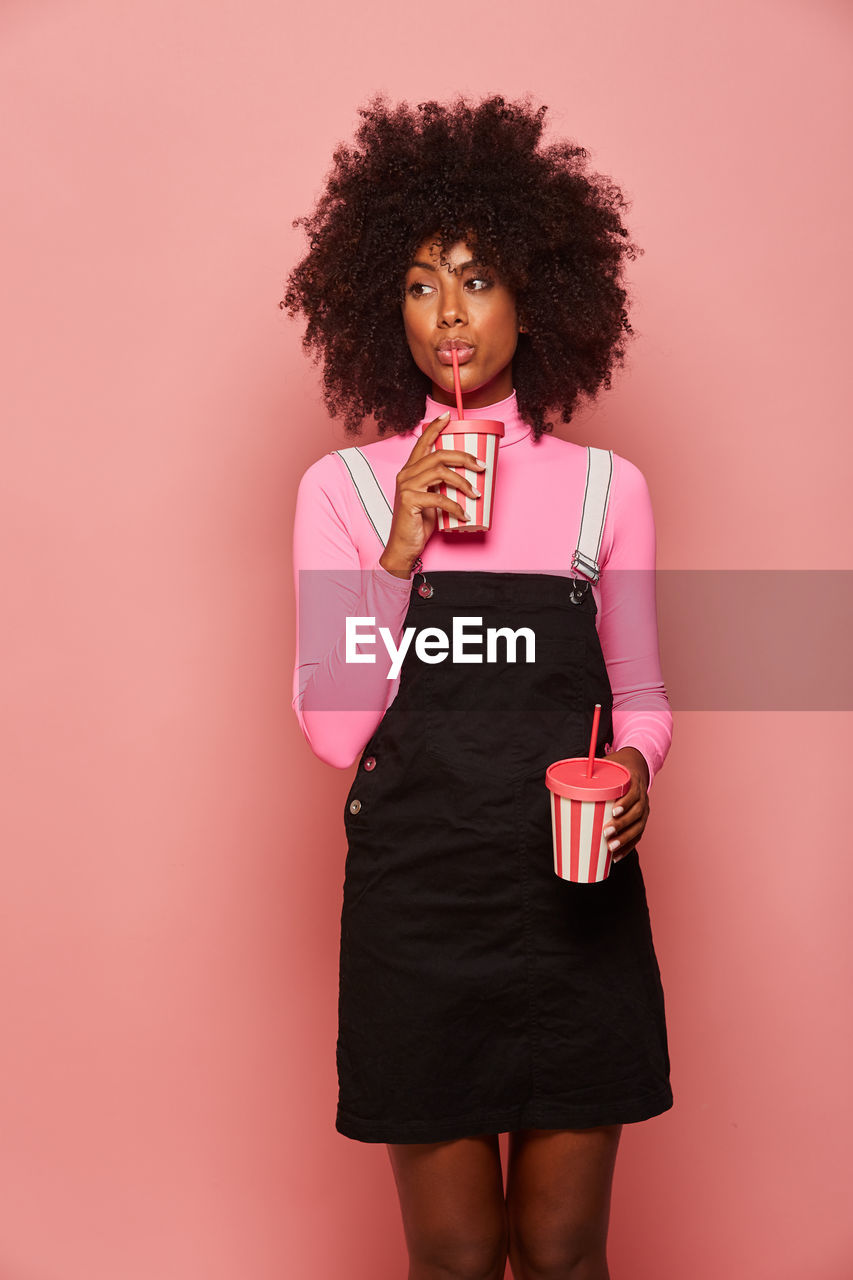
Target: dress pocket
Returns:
[507, 720]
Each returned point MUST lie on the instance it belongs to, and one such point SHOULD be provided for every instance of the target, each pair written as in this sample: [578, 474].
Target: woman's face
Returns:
[462, 303]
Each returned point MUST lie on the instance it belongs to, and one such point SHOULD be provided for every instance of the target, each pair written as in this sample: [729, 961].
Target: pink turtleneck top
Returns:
[538, 503]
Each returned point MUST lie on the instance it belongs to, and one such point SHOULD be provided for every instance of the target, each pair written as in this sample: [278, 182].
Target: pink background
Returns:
[172, 853]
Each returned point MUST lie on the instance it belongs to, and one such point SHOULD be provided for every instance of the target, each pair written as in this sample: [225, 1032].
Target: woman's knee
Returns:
[453, 1207]
[558, 1202]
[460, 1254]
[577, 1255]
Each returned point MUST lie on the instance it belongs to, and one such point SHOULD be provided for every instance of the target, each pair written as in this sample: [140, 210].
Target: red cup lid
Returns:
[474, 426]
[568, 778]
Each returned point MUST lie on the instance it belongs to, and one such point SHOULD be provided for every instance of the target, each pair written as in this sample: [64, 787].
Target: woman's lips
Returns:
[464, 354]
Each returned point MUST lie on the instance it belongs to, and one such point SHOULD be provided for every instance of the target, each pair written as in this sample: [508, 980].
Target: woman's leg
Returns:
[453, 1206]
[558, 1202]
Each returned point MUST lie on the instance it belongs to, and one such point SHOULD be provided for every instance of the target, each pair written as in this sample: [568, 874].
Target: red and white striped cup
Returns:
[580, 810]
[480, 437]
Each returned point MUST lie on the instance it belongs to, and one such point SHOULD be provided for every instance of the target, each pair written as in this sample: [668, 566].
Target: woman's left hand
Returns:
[627, 826]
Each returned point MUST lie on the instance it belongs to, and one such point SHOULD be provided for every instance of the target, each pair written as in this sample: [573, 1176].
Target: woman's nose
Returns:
[453, 312]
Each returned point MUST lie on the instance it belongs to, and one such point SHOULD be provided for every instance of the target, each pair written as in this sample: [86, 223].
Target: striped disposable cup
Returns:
[479, 436]
[580, 810]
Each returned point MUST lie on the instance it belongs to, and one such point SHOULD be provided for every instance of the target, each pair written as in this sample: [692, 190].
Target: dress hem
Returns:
[531, 1117]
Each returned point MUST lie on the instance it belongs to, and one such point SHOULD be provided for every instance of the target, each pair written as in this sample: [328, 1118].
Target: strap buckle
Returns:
[579, 589]
[426, 589]
[586, 566]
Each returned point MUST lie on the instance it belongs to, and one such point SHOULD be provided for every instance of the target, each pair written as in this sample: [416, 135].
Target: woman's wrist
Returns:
[633, 755]
[399, 566]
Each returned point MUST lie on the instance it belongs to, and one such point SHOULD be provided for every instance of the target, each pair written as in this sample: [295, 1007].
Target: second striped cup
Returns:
[580, 810]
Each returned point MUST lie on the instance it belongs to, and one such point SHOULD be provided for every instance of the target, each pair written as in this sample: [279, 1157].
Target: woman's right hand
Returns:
[415, 504]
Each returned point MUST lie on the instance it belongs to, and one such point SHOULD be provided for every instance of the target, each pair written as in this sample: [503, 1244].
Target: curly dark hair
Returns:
[551, 230]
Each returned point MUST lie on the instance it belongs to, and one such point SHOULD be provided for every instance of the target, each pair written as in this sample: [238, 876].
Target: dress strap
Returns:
[599, 474]
[377, 507]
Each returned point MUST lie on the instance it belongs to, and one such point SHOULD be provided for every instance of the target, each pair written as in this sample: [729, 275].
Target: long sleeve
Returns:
[627, 626]
[339, 704]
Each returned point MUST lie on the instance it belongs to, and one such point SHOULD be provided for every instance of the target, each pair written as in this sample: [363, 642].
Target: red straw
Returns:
[454, 355]
[589, 763]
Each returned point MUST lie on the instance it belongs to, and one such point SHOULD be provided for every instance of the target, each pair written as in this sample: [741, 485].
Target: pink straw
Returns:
[454, 355]
[590, 761]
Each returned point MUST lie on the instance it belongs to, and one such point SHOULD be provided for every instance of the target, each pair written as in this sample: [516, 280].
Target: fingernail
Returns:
[614, 844]
[442, 416]
[608, 831]
[615, 812]
[476, 492]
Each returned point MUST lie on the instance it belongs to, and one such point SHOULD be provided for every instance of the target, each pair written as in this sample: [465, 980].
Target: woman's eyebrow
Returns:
[463, 266]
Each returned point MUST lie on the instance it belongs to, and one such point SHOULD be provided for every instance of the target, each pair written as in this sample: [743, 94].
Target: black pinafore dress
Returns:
[478, 991]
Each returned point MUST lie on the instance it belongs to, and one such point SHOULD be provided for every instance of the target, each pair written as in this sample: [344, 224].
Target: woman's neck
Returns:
[505, 411]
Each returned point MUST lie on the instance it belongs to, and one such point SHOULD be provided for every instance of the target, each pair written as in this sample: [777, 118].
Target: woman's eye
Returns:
[418, 289]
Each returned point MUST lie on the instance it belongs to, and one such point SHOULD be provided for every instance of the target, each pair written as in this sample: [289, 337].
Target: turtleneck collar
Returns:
[505, 411]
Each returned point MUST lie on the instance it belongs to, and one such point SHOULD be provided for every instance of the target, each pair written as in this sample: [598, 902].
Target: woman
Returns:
[479, 992]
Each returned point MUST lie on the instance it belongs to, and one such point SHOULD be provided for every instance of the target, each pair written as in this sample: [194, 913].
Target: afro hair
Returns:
[550, 229]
